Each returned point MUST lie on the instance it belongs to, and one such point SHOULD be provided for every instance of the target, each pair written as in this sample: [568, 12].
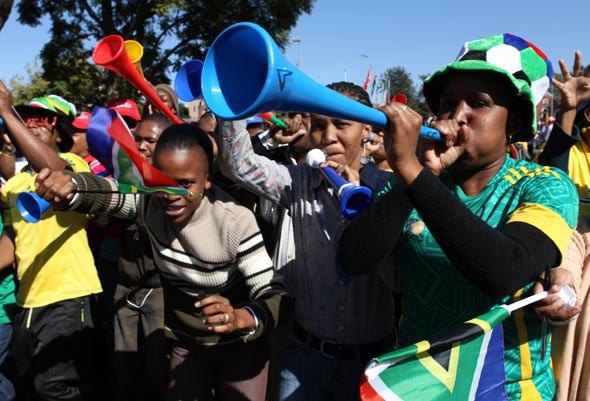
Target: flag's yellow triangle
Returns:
[446, 377]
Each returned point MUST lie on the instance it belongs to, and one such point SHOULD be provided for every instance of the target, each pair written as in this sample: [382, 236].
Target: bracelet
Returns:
[256, 322]
[9, 150]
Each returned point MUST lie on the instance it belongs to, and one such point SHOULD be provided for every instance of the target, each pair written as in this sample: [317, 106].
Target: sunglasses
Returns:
[41, 122]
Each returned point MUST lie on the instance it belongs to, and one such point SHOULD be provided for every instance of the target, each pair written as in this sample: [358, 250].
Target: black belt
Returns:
[332, 349]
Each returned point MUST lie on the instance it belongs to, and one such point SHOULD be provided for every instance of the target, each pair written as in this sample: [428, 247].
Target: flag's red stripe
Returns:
[368, 393]
[151, 176]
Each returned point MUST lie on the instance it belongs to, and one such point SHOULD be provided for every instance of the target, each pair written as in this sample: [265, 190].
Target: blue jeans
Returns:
[6, 387]
[307, 375]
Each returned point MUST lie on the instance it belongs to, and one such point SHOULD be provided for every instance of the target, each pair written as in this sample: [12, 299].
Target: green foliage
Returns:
[171, 31]
[398, 80]
[5, 9]
[24, 90]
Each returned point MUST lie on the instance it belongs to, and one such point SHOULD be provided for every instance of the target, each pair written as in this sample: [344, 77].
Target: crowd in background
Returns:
[250, 285]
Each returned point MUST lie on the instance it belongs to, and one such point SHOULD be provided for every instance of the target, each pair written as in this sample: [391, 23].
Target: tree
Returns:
[171, 31]
[397, 80]
[5, 9]
[26, 90]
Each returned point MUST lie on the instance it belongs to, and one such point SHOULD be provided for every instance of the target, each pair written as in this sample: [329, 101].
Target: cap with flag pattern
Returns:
[53, 105]
[526, 67]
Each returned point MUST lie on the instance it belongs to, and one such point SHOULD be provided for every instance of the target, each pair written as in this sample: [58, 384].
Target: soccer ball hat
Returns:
[526, 67]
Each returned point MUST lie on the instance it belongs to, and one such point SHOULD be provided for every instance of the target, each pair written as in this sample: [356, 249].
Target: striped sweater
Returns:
[218, 251]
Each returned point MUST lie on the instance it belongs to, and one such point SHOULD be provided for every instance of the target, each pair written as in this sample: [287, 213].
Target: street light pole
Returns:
[363, 55]
[298, 41]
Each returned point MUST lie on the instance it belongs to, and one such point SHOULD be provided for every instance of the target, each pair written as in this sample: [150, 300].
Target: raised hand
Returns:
[575, 89]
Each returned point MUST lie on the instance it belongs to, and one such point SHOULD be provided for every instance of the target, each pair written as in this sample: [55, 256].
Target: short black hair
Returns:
[184, 137]
[161, 120]
[353, 91]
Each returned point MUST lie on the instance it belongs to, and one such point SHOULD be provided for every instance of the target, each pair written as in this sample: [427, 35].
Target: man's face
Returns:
[43, 127]
[146, 135]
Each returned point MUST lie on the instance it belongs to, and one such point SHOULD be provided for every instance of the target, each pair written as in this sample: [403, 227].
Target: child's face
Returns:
[190, 169]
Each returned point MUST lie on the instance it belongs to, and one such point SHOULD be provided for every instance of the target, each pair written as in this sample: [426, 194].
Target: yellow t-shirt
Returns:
[579, 172]
[54, 261]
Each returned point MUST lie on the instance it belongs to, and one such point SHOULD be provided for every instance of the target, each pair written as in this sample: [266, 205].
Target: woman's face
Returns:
[189, 168]
[339, 139]
[480, 102]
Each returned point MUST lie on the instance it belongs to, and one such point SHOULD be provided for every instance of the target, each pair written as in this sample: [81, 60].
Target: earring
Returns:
[364, 159]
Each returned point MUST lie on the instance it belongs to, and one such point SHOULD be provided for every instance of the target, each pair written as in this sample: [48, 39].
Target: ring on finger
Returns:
[430, 120]
[403, 107]
[226, 318]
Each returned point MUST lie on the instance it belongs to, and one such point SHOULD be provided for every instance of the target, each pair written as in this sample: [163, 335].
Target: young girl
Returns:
[220, 291]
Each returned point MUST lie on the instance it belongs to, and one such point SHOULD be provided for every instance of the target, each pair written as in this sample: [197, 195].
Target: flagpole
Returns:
[566, 293]
[99, 191]
[524, 302]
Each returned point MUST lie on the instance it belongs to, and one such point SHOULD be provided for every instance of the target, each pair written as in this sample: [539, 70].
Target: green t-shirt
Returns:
[7, 289]
[436, 296]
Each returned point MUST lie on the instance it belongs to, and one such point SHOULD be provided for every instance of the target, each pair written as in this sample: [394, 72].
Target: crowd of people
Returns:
[247, 283]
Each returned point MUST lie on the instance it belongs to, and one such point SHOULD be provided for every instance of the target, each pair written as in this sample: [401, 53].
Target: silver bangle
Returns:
[256, 322]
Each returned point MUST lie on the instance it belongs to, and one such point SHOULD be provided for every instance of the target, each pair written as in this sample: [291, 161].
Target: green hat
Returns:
[57, 106]
[526, 67]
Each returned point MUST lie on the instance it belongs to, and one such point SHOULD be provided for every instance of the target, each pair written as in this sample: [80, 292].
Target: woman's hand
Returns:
[439, 155]
[221, 317]
[344, 171]
[552, 306]
[401, 141]
[575, 88]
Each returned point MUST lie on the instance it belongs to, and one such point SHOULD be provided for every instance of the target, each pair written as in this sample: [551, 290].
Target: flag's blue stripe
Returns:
[491, 386]
[100, 143]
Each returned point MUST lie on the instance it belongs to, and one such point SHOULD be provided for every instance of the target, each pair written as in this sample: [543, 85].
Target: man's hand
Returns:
[56, 187]
[5, 100]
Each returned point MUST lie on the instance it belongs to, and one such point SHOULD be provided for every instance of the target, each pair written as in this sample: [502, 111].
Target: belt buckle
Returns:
[323, 351]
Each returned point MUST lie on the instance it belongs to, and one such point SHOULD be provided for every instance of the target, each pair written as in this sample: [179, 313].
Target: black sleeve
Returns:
[556, 151]
[497, 262]
[371, 236]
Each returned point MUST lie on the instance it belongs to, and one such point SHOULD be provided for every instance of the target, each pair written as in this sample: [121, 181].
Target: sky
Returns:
[420, 36]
